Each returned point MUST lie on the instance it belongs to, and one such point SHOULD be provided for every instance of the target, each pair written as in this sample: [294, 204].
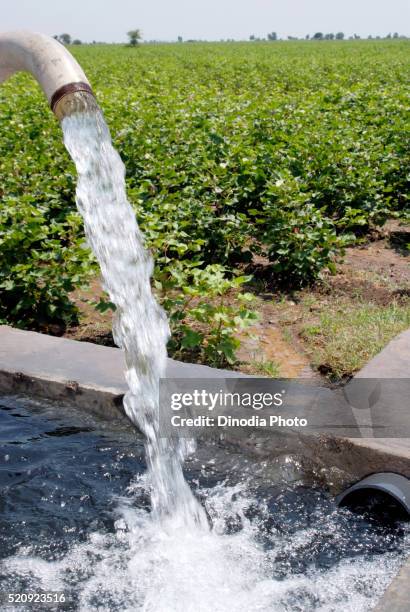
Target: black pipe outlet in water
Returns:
[385, 494]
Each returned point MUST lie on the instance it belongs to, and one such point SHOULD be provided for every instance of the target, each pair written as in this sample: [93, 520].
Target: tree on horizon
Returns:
[64, 39]
[135, 36]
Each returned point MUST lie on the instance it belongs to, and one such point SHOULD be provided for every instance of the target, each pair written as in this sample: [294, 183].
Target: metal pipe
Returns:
[60, 76]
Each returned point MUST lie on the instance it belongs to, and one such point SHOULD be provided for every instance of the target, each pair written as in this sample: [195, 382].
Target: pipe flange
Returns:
[65, 90]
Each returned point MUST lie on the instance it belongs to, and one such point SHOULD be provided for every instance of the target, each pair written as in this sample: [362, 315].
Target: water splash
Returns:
[140, 325]
[274, 545]
[137, 566]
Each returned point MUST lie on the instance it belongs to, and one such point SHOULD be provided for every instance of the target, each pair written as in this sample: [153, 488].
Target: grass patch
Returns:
[265, 368]
[345, 335]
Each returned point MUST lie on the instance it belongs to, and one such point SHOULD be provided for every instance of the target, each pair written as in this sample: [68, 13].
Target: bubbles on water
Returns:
[273, 544]
[234, 567]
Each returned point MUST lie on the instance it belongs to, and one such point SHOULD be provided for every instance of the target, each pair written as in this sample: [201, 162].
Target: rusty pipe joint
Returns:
[59, 75]
[72, 98]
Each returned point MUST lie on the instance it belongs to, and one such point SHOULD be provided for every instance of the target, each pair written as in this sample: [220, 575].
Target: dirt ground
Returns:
[376, 273]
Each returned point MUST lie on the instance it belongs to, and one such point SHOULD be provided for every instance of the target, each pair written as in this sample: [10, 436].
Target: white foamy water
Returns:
[140, 566]
[169, 559]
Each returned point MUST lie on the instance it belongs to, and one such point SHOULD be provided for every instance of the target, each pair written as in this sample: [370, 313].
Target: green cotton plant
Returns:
[203, 323]
[43, 255]
[301, 243]
[299, 239]
[42, 261]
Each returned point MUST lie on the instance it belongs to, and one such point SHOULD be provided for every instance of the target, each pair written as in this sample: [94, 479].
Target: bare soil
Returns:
[377, 272]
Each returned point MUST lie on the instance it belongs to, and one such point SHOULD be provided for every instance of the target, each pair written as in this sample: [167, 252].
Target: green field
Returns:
[287, 151]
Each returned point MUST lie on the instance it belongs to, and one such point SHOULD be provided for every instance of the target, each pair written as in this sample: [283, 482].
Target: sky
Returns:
[109, 20]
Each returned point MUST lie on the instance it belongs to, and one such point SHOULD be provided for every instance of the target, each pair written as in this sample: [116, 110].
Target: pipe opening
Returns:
[380, 506]
[68, 89]
[74, 101]
[72, 98]
[384, 496]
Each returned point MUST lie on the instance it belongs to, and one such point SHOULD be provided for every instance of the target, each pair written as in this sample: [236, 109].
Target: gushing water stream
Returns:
[140, 325]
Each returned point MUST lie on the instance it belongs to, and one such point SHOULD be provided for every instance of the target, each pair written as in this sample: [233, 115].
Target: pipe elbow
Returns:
[61, 78]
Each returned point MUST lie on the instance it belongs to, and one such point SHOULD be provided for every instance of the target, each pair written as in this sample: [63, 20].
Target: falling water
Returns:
[140, 326]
